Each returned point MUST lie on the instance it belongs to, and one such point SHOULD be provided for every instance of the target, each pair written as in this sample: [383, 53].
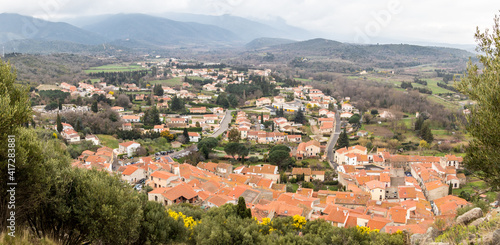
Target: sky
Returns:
[355, 21]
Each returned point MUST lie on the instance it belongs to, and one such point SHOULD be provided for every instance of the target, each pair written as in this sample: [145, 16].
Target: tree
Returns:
[299, 117]
[279, 148]
[262, 118]
[450, 189]
[94, 107]
[151, 117]
[232, 148]
[419, 123]
[123, 100]
[242, 210]
[374, 111]
[354, 119]
[280, 112]
[58, 123]
[176, 104]
[280, 158]
[243, 152]
[343, 140]
[234, 135]
[158, 90]
[186, 135]
[426, 133]
[60, 103]
[206, 145]
[483, 154]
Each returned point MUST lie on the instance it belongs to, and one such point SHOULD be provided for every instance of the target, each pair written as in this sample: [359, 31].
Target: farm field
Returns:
[115, 68]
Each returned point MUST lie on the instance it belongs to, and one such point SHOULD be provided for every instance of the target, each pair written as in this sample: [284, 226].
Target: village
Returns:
[348, 187]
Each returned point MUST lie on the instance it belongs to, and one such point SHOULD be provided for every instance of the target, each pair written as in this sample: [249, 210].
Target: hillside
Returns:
[332, 53]
[159, 31]
[19, 27]
[266, 42]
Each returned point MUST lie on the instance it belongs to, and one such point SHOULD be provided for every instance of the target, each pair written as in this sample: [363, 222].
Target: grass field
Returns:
[48, 87]
[473, 187]
[108, 140]
[176, 81]
[115, 68]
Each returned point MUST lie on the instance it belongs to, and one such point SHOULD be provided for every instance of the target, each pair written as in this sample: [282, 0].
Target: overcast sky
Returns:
[433, 21]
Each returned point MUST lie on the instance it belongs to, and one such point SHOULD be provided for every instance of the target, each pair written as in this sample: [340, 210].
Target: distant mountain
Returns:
[19, 27]
[160, 31]
[266, 42]
[246, 29]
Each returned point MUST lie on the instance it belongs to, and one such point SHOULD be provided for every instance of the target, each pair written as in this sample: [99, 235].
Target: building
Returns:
[93, 139]
[311, 148]
[198, 110]
[70, 135]
[128, 148]
[133, 173]
[182, 193]
[263, 101]
[194, 136]
[161, 178]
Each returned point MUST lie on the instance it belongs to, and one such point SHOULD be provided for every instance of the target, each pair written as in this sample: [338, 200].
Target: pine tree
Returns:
[94, 107]
[59, 124]
[426, 133]
[299, 117]
[343, 140]
[186, 135]
[242, 210]
[418, 123]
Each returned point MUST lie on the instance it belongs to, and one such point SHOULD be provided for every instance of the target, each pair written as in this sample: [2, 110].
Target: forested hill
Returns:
[386, 55]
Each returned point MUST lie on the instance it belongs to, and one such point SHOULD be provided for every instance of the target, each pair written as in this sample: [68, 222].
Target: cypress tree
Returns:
[59, 124]
[186, 135]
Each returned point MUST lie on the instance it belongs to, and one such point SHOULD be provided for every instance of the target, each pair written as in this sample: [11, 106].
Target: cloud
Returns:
[447, 21]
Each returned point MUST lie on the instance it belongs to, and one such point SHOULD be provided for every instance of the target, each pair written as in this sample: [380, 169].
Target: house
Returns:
[161, 178]
[376, 190]
[302, 171]
[263, 101]
[70, 135]
[219, 200]
[133, 173]
[218, 110]
[279, 99]
[451, 160]
[311, 148]
[131, 118]
[176, 144]
[198, 110]
[194, 136]
[159, 128]
[346, 107]
[182, 193]
[346, 115]
[318, 175]
[435, 189]
[327, 128]
[117, 108]
[128, 148]
[92, 138]
[210, 118]
[127, 126]
[293, 138]
[448, 205]
[323, 112]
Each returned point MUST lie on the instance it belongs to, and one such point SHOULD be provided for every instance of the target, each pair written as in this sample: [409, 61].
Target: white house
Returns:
[194, 136]
[128, 148]
[71, 135]
[92, 138]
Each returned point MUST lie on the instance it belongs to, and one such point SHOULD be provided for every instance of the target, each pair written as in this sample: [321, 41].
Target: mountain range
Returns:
[129, 32]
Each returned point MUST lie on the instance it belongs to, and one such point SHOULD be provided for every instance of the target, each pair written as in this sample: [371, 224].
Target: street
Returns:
[333, 141]
[224, 124]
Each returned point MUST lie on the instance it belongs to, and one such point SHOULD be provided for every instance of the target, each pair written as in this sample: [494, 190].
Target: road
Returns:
[224, 124]
[184, 152]
[333, 141]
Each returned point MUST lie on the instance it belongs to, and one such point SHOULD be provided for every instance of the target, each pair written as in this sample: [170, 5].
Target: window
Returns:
[156, 198]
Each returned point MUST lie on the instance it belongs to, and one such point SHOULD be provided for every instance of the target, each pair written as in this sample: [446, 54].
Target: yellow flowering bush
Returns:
[189, 222]
[299, 221]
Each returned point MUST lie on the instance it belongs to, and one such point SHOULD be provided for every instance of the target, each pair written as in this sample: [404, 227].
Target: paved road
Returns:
[184, 152]
[224, 124]
[333, 141]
